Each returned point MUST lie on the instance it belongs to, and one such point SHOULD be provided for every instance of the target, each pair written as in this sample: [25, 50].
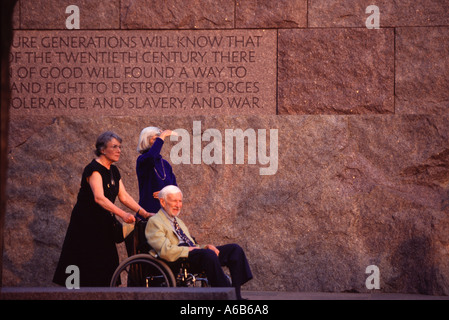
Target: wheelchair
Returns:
[142, 269]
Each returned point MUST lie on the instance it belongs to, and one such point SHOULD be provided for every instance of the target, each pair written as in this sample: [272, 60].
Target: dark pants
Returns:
[231, 256]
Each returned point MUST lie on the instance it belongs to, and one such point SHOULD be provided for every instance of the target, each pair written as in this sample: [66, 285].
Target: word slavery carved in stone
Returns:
[143, 72]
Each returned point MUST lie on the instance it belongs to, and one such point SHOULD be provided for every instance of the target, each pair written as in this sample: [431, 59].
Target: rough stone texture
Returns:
[177, 14]
[349, 192]
[336, 71]
[24, 127]
[16, 16]
[351, 13]
[271, 14]
[51, 14]
[422, 68]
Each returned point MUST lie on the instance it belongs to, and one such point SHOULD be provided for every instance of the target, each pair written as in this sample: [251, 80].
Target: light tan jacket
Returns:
[162, 237]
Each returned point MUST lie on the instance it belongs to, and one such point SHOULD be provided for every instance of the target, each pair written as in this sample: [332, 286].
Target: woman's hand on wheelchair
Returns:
[128, 218]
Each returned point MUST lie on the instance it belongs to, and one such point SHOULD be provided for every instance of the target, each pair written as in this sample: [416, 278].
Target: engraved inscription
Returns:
[143, 72]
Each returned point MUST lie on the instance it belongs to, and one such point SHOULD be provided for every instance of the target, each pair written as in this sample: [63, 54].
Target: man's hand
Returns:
[213, 248]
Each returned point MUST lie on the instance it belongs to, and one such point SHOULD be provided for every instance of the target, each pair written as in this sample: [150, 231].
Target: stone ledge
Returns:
[59, 293]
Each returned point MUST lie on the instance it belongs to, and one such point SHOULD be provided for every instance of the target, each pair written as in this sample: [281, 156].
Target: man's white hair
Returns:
[168, 190]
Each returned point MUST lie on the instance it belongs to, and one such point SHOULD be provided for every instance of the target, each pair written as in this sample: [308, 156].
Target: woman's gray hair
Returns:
[103, 140]
[145, 136]
[171, 189]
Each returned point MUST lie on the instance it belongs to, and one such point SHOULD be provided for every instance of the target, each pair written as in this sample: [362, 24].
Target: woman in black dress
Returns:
[89, 243]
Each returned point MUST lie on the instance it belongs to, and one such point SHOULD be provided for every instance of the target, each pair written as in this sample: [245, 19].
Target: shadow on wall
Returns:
[39, 260]
[418, 273]
[6, 12]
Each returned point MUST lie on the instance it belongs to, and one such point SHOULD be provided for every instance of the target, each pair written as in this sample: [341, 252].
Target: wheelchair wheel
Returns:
[143, 270]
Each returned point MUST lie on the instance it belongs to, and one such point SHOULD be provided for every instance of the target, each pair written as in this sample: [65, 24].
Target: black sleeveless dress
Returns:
[89, 242]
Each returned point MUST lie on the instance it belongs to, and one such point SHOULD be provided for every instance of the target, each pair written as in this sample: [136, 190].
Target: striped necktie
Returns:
[181, 234]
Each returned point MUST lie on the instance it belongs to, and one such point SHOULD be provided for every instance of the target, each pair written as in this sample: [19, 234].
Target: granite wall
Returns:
[350, 122]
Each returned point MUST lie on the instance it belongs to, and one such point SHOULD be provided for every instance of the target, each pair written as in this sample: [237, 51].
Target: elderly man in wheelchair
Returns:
[170, 242]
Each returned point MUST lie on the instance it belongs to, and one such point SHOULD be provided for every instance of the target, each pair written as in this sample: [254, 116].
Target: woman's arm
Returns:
[96, 184]
[128, 201]
[155, 149]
